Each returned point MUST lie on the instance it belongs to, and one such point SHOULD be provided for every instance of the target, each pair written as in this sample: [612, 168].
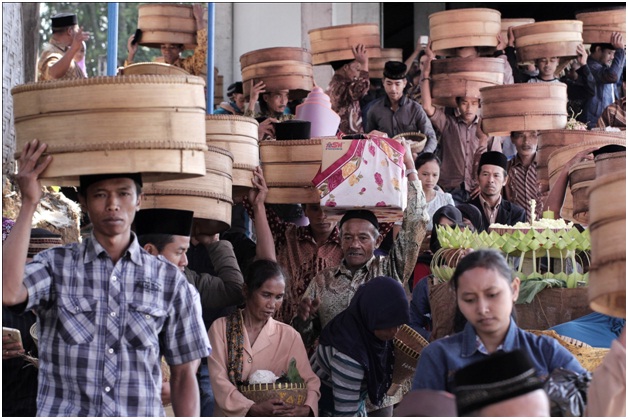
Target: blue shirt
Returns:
[606, 78]
[104, 328]
[441, 359]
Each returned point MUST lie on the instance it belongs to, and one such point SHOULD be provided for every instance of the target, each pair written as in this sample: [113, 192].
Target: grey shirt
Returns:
[410, 117]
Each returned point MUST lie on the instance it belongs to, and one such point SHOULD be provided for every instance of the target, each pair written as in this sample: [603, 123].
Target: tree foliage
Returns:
[92, 17]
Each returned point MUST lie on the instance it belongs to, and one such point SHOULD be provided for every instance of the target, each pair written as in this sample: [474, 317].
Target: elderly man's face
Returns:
[358, 240]
[277, 101]
[170, 52]
[525, 142]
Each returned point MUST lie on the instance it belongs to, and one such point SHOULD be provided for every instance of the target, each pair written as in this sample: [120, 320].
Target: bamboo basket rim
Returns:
[601, 12]
[528, 86]
[186, 6]
[349, 25]
[466, 9]
[288, 143]
[220, 151]
[549, 23]
[106, 80]
[239, 118]
[158, 191]
[305, 50]
[157, 64]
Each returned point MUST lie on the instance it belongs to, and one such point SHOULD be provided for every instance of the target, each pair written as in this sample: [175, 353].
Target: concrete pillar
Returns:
[314, 16]
[30, 21]
[223, 44]
[12, 75]
[366, 13]
[421, 14]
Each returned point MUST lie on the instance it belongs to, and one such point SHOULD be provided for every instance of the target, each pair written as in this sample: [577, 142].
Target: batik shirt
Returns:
[522, 186]
[103, 328]
[345, 95]
[51, 53]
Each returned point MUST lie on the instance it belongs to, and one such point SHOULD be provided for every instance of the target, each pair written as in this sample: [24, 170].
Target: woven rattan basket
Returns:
[293, 394]
[417, 140]
[139, 69]
[408, 346]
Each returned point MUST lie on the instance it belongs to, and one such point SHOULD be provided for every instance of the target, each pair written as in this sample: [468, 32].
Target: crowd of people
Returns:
[147, 315]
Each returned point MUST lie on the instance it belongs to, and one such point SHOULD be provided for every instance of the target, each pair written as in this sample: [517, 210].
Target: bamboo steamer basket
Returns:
[291, 162]
[598, 26]
[523, 107]
[607, 223]
[559, 159]
[294, 394]
[608, 163]
[408, 345]
[506, 23]
[464, 77]
[281, 68]
[292, 195]
[458, 28]
[138, 69]
[581, 176]
[166, 23]
[555, 38]
[149, 124]
[377, 64]
[552, 140]
[238, 134]
[333, 43]
[208, 196]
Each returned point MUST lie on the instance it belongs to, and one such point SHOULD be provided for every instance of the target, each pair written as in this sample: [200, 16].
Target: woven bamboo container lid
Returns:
[138, 69]
[523, 107]
[292, 163]
[281, 68]
[149, 124]
[506, 23]
[333, 43]
[607, 223]
[459, 28]
[555, 38]
[166, 23]
[376, 64]
[608, 163]
[581, 176]
[238, 134]
[598, 26]
[464, 77]
[208, 196]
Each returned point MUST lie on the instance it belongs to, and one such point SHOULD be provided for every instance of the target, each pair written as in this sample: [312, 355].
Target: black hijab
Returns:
[473, 214]
[447, 211]
[381, 303]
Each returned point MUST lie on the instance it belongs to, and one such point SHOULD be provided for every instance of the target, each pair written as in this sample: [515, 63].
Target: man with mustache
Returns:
[492, 176]
[522, 183]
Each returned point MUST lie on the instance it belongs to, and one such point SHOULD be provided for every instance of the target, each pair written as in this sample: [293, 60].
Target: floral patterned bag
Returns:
[370, 175]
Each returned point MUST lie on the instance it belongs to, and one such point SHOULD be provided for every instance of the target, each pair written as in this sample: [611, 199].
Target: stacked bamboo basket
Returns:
[460, 28]
[166, 23]
[334, 43]
[153, 125]
[598, 26]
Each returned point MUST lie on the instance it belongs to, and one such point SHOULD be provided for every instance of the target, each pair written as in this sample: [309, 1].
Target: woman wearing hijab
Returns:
[472, 217]
[355, 355]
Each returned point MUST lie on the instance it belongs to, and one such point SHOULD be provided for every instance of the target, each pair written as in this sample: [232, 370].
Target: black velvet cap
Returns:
[336, 65]
[293, 129]
[87, 180]
[361, 214]
[62, 20]
[611, 148]
[494, 158]
[499, 377]
[395, 70]
[164, 221]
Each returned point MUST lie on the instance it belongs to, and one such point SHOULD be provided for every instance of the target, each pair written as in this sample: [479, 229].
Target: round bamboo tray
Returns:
[281, 68]
[457, 28]
[291, 163]
[556, 38]
[464, 77]
[581, 176]
[238, 134]
[150, 124]
[608, 163]
[333, 43]
[167, 23]
[290, 393]
[597, 27]
[209, 196]
[607, 223]
[292, 195]
[138, 69]
[377, 64]
[523, 107]
[408, 345]
[506, 23]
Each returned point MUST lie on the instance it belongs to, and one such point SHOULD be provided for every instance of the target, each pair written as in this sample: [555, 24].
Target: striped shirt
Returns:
[614, 115]
[343, 390]
[103, 328]
[522, 186]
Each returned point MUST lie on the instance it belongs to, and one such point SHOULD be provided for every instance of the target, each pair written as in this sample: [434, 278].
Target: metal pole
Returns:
[210, 58]
[112, 38]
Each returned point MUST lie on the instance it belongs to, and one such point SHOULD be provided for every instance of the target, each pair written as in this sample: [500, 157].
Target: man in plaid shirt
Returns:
[107, 309]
